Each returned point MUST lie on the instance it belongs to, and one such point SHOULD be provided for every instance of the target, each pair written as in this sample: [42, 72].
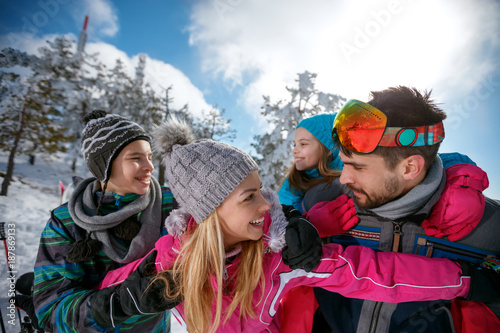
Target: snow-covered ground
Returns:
[32, 194]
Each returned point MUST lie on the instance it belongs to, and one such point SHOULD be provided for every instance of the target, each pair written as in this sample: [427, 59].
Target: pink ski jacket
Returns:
[355, 271]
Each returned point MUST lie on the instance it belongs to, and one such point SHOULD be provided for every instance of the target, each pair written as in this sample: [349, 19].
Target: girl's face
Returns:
[131, 170]
[242, 213]
[306, 150]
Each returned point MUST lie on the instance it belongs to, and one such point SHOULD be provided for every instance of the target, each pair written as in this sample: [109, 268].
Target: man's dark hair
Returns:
[404, 107]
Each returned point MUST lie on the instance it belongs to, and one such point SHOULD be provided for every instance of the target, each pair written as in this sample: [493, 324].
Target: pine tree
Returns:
[131, 97]
[78, 77]
[30, 120]
[212, 125]
[63, 86]
[274, 148]
[41, 112]
[117, 90]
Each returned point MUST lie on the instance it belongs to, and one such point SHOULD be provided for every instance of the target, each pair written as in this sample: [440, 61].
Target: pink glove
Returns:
[333, 217]
[461, 205]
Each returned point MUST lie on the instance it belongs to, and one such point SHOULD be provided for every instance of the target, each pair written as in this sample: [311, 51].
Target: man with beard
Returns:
[391, 170]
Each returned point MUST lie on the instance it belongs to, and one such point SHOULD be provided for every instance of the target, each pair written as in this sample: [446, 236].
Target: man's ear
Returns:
[413, 167]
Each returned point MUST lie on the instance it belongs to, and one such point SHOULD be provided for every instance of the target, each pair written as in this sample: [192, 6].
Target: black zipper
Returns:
[432, 245]
[376, 314]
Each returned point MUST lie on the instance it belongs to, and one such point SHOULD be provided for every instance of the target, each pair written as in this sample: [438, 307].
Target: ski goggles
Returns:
[361, 128]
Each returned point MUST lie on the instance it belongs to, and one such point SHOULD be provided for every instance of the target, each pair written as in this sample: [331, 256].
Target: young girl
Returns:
[226, 259]
[315, 159]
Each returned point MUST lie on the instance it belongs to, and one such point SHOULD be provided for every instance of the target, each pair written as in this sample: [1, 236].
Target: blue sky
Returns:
[231, 52]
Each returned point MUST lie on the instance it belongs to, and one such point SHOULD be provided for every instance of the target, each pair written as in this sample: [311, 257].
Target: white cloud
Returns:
[354, 47]
[108, 54]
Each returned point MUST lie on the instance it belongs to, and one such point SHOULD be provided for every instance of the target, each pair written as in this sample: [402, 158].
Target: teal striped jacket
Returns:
[62, 289]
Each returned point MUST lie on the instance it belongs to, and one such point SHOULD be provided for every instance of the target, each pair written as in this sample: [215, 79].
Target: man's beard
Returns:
[377, 199]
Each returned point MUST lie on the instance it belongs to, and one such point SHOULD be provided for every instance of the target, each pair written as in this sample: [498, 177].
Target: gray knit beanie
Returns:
[201, 173]
[103, 137]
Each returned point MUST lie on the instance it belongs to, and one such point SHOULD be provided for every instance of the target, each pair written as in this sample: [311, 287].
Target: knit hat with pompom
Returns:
[201, 173]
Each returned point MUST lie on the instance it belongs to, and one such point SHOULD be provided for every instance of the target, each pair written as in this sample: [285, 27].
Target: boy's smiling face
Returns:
[131, 170]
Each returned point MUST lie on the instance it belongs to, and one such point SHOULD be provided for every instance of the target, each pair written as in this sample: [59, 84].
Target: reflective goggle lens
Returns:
[360, 126]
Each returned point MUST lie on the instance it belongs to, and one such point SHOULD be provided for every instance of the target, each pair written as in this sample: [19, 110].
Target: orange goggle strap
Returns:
[362, 127]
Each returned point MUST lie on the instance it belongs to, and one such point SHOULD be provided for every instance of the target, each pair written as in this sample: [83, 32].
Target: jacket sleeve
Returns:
[60, 291]
[324, 192]
[287, 197]
[461, 205]
[359, 272]
[116, 276]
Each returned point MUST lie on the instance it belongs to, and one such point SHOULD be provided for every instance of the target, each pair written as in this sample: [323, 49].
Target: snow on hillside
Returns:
[32, 194]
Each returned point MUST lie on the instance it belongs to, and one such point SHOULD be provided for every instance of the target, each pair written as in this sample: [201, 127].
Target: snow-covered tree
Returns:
[78, 78]
[30, 121]
[131, 97]
[64, 85]
[212, 125]
[274, 148]
[45, 105]
[117, 89]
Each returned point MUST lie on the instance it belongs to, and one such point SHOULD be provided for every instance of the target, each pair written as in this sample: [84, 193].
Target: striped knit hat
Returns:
[103, 137]
[201, 173]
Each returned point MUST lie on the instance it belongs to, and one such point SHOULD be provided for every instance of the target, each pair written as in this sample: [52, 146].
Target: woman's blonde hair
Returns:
[198, 276]
[298, 180]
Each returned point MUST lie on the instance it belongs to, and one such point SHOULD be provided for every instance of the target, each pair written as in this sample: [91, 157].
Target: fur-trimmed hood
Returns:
[274, 230]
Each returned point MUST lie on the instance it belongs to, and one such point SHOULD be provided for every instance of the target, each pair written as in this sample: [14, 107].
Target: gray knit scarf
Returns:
[82, 209]
[412, 201]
